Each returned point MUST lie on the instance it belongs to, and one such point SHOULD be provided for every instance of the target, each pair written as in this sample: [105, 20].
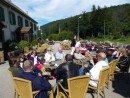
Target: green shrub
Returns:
[53, 37]
[23, 44]
[34, 42]
[100, 35]
[116, 35]
[65, 35]
[62, 36]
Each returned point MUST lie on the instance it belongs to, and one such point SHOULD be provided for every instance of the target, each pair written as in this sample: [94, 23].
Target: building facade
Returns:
[15, 24]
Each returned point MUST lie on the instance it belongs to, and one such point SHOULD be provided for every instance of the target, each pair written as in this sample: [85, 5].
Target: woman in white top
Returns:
[49, 56]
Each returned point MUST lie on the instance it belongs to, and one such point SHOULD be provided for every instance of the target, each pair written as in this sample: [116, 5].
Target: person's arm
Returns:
[76, 56]
[88, 55]
[53, 58]
[39, 60]
[92, 62]
[57, 55]
[58, 71]
[40, 83]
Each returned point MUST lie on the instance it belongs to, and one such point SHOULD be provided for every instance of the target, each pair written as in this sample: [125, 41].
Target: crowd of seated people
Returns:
[28, 66]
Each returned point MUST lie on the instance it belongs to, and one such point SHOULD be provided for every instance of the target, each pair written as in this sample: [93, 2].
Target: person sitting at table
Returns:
[93, 48]
[83, 49]
[116, 53]
[16, 69]
[49, 56]
[21, 59]
[95, 70]
[60, 55]
[78, 44]
[38, 82]
[36, 61]
[79, 56]
[66, 70]
[85, 68]
[109, 56]
[124, 59]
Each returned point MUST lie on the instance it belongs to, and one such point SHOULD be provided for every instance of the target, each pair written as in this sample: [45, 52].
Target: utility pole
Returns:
[78, 26]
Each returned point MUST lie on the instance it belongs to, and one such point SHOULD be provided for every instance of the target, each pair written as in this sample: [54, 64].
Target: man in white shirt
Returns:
[95, 71]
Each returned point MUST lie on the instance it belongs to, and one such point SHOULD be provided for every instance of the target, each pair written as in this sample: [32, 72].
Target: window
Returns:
[26, 23]
[12, 18]
[35, 27]
[2, 16]
[13, 36]
[20, 21]
[31, 25]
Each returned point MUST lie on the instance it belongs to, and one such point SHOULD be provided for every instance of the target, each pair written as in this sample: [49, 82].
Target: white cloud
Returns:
[45, 11]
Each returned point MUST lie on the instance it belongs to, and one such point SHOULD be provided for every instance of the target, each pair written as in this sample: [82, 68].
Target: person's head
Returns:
[68, 57]
[116, 48]
[123, 52]
[81, 40]
[109, 53]
[48, 50]
[128, 53]
[21, 57]
[101, 56]
[60, 50]
[84, 46]
[34, 53]
[16, 63]
[75, 37]
[85, 64]
[77, 50]
[27, 66]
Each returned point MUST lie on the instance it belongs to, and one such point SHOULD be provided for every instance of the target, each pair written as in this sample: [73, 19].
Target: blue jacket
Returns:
[38, 83]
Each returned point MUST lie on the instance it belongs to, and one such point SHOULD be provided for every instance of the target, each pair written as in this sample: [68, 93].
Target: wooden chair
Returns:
[24, 88]
[101, 82]
[16, 95]
[112, 66]
[77, 87]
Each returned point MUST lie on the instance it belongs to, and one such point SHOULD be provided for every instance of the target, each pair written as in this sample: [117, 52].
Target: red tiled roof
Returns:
[26, 30]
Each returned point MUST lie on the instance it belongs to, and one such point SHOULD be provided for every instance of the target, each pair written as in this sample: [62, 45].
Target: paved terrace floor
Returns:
[120, 88]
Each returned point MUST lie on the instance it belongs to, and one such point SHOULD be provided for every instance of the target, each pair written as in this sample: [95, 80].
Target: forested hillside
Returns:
[100, 22]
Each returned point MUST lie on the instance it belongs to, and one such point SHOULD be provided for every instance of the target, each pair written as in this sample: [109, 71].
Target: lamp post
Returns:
[78, 26]
[40, 31]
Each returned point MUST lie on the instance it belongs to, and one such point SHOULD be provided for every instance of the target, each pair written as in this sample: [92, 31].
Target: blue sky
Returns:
[45, 11]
